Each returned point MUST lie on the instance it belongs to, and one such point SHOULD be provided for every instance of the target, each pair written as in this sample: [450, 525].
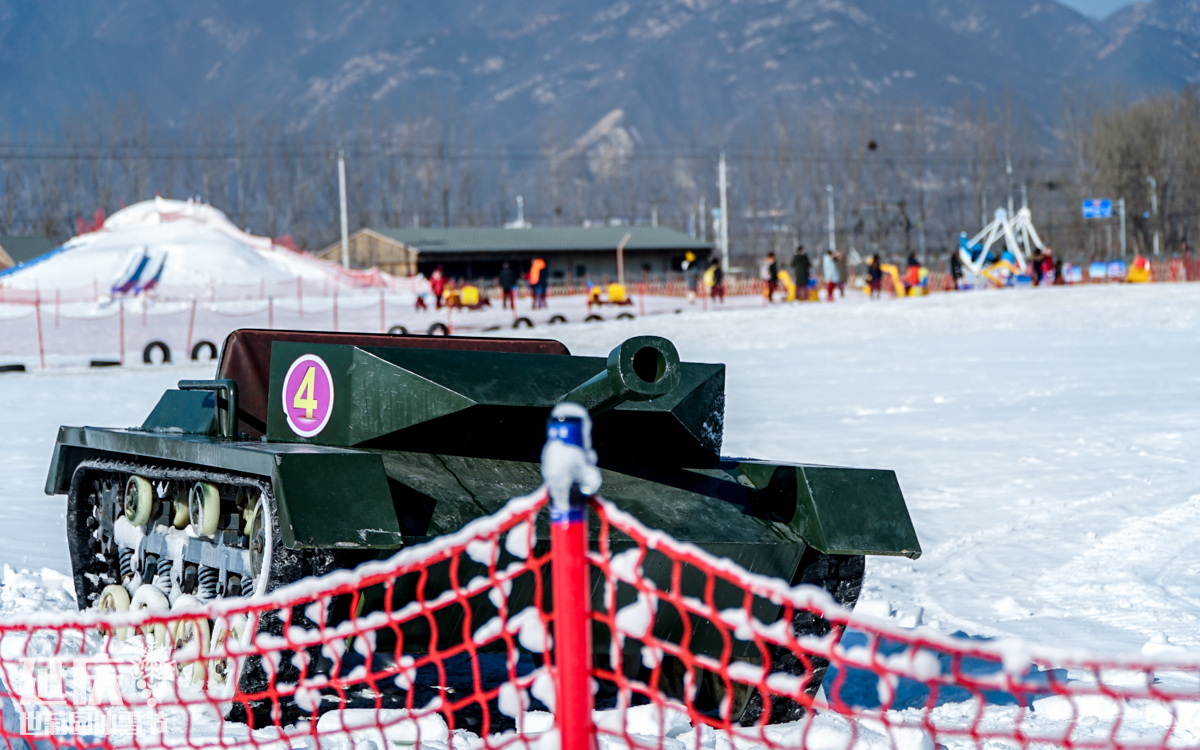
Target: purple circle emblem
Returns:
[308, 395]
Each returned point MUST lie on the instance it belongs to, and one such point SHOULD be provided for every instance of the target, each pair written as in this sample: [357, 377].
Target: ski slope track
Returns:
[1046, 441]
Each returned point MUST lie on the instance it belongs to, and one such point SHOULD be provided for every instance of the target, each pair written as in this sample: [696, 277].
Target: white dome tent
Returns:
[174, 249]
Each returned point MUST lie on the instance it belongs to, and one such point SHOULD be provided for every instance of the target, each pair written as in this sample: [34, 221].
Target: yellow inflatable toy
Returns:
[920, 289]
[1139, 272]
[785, 278]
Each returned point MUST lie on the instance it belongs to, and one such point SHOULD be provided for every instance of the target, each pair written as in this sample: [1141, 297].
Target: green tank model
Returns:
[315, 451]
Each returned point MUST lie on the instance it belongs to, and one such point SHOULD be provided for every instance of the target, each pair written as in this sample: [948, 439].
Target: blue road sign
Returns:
[1097, 208]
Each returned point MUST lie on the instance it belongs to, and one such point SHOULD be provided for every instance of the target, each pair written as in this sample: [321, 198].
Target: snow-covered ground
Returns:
[1044, 440]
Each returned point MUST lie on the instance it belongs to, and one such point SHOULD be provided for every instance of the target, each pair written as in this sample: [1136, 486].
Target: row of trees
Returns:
[904, 179]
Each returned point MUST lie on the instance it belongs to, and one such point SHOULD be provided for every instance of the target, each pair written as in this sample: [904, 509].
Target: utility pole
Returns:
[1121, 205]
[723, 182]
[342, 201]
[829, 195]
[1154, 209]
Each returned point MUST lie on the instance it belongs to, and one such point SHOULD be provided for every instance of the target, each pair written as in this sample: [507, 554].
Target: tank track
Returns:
[842, 577]
[98, 559]
[91, 537]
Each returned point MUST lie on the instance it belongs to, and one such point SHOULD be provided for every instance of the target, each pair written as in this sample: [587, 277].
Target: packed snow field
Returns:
[1043, 438]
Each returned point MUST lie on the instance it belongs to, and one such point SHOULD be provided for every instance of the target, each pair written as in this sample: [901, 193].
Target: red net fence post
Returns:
[571, 587]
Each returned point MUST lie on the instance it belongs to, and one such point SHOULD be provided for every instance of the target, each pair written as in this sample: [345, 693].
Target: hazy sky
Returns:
[1097, 8]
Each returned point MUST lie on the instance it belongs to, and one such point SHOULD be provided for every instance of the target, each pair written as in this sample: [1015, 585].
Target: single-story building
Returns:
[571, 253]
[18, 249]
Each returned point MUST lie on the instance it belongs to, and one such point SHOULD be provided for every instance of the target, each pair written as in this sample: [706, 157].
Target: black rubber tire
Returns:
[12, 368]
[148, 352]
[557, 319]
[104, 363]
[593, 318]
[201, 346]
[626, 316]
[522, 322]
[438, 329]
[397, 331]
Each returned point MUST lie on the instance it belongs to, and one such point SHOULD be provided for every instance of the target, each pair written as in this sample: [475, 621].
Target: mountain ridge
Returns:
[673, 69]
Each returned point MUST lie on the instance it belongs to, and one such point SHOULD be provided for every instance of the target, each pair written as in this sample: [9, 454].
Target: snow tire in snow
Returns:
[201, 346]
[148, 353]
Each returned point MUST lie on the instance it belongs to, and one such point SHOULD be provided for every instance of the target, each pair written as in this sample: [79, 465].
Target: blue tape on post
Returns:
[567, 430]
[574, 514]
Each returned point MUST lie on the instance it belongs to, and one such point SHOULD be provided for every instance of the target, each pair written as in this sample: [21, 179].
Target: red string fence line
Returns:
[448, 646]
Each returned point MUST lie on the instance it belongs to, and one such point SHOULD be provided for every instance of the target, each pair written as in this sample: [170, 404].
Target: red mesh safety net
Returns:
[446, 646]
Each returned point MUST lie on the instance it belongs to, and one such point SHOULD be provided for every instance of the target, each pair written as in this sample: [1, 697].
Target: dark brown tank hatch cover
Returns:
[246, 358]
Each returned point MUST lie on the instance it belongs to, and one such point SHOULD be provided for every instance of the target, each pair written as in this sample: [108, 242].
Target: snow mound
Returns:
[168, 243]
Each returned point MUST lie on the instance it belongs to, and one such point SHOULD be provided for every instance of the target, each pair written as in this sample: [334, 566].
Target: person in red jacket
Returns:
[437, 284]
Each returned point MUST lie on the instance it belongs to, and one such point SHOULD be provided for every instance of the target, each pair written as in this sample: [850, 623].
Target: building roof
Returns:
[24, 248]
[541, 239]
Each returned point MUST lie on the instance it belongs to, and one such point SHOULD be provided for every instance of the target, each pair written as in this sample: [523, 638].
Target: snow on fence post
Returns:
[121, 328]
[191, 327]
[37, 308]
[335, 325]
[300, 295]
[569, 470]
[271, 313]
[382, 316]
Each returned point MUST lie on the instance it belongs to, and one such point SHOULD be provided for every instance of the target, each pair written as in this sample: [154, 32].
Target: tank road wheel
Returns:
[842, 577]
[139, 501]
[261, 529]
[189, 642]
[148, 597]
[227, 635]
[204, 508]
[113, 599]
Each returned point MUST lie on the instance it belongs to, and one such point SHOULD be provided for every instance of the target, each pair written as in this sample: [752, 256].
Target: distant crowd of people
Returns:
[808, 277]
[448, 293]
[832, 273]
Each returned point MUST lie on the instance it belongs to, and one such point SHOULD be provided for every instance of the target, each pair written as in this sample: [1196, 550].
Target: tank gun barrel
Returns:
[640, 369]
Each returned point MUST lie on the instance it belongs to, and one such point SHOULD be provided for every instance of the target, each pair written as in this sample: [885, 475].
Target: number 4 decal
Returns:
[304, 395]
[308, 395]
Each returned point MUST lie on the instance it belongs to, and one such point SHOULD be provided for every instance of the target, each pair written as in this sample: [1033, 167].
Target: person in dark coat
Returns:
[508, 286]
[956, 268]
[801, 271]
[772, 276]
[875, 276]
